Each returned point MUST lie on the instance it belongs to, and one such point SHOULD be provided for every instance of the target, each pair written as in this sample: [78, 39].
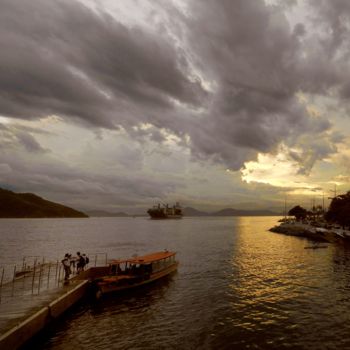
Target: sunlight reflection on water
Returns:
[238, 285]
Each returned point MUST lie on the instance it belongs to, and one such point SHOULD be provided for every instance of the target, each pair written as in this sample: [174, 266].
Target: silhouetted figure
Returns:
[80, 263]
[66, 266]
[72, 261]
[86, 260]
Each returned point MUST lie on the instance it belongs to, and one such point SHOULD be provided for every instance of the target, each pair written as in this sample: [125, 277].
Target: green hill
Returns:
[29, 205]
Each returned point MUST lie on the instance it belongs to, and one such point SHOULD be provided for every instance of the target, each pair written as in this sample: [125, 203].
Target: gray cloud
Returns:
[30, 143]
[14, 136]
[255, 59]
[312, 150]
[62, 182]
[5, 168]
[60, 57]
[332, 17]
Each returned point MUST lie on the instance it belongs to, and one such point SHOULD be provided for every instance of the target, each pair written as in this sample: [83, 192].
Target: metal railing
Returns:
[35, 274]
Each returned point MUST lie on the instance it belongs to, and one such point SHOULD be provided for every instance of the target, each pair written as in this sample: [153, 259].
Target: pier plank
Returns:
[25, 309]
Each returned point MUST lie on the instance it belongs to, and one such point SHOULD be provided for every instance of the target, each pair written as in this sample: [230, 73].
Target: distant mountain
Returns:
[188, 211]
[228, 212]
[239, 212]
[29, 205]
[105, 214]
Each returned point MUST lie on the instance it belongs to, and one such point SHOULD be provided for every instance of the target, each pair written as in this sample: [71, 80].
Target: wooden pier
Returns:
[30, 301]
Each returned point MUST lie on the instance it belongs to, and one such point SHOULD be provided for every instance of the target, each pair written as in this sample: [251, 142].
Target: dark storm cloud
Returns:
[254, 56]
[333, 16]
[60, 57]
[331, 47]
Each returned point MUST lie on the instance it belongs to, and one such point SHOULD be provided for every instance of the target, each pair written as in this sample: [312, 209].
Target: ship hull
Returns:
[114, 287]
[165, 213]
[163, 217]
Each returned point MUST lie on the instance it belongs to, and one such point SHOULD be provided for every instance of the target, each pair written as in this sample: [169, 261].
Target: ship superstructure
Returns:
[165, 211]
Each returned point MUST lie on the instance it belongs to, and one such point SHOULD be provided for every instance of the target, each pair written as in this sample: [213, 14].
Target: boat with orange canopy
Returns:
[136, 271]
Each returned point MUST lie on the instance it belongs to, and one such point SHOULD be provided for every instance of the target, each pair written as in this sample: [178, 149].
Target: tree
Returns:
[298, 212]
[339, 210]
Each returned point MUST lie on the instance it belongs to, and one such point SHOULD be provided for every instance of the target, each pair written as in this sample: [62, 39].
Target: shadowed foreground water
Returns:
[238, 285]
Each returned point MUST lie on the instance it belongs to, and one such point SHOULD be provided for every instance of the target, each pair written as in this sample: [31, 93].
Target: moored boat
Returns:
[136, 271]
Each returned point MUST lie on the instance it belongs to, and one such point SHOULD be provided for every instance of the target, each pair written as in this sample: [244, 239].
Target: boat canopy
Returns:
[146, 259]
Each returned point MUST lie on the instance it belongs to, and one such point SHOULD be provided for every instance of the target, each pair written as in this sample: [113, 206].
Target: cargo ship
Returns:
[165, 212]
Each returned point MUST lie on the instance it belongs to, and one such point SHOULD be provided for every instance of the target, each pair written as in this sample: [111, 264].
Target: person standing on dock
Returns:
[86, 260]
[80, 263]
[66, 266]
[72, 260]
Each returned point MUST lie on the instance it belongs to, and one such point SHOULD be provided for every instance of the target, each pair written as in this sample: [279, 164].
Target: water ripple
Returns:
[238, 286]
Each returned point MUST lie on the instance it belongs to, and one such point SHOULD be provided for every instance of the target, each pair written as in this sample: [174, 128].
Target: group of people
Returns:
[74, 263]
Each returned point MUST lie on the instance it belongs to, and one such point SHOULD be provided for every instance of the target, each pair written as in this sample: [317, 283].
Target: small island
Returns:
[29, 205]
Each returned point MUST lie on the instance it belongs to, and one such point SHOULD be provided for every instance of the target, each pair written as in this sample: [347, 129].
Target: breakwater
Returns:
[317, 234]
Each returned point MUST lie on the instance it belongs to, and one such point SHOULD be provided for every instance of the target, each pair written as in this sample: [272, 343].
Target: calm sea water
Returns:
[238, 286]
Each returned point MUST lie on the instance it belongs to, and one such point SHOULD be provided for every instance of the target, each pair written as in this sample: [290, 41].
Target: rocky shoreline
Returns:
[299, 232]
[313, 232]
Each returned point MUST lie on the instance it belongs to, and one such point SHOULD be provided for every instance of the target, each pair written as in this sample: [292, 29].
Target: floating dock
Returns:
[31, 300]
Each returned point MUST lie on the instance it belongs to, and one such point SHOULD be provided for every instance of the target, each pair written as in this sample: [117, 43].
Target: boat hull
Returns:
[160, 217]
[114, 287]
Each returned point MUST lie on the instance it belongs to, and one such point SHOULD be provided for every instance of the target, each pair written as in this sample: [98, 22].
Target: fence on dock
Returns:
[35, 274]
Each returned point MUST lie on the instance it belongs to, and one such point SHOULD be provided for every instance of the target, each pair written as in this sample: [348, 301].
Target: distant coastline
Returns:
[106, 214]
[29, 205]
[191, 212]
[229, 212]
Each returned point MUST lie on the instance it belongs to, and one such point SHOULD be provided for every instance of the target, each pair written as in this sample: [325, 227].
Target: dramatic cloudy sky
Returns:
[117, 105]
